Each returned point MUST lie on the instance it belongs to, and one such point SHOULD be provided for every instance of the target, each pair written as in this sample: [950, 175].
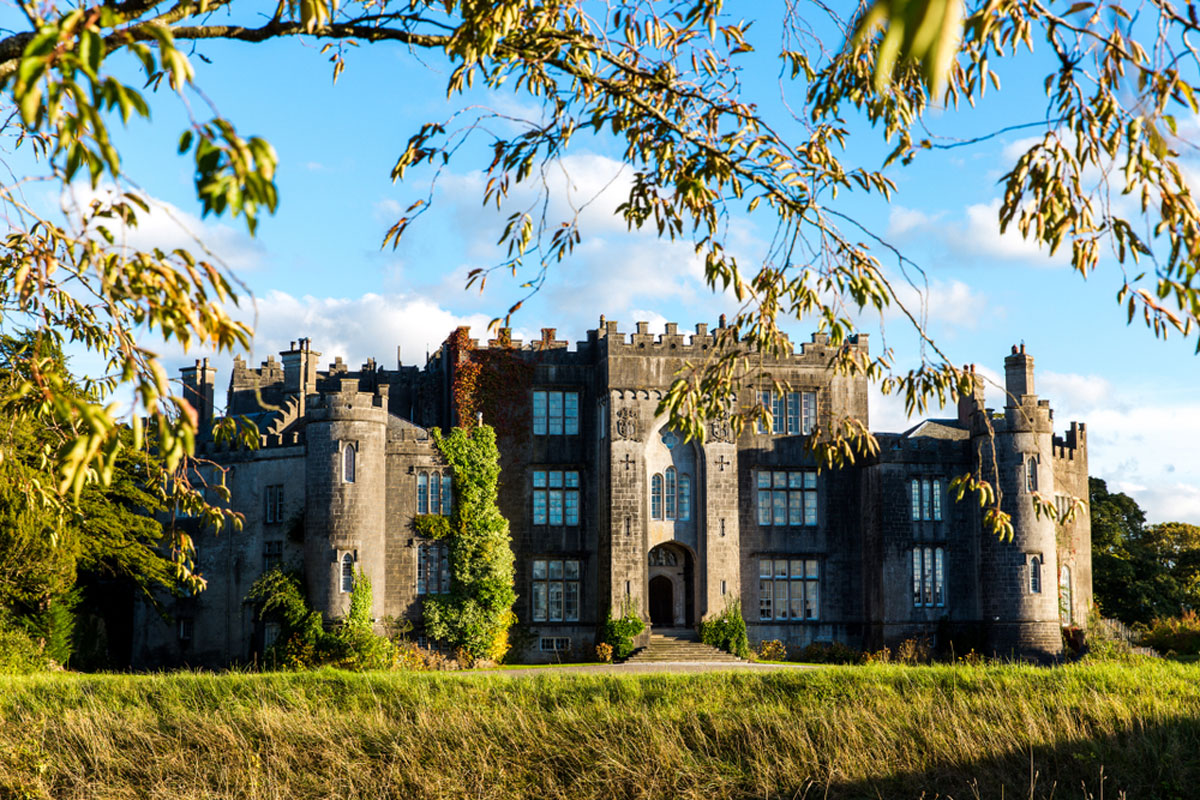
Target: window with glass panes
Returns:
[274, 504]
[787, 497]
[789, 589]
[929, 577]
[791, 412]
[671, 495]
[555, 497]
[433, 492]
[272, 555]
[433, 568]
[555, 413]
[555, 588]
[926, 499]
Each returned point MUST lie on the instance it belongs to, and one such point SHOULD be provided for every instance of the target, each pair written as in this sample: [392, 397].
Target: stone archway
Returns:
[671, 585]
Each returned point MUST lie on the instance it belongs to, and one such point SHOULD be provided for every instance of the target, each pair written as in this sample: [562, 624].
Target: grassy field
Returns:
[878, 731]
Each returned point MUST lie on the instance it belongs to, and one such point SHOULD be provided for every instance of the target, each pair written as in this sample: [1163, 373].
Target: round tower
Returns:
[1019, 584]
[346, 480]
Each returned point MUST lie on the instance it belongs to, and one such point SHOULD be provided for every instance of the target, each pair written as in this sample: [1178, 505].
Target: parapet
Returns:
[1073, 443]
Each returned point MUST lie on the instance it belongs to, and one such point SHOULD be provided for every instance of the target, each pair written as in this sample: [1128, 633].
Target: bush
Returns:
[604, 653]
[727, 631]
[19, 654]
[619, 633]
[771, 650]
[1180, 635]
[829, 653]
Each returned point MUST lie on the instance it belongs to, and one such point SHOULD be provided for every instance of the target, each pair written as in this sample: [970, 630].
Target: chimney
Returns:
[199, 383]
[300, 370]
[1018, 376]
[968, 404]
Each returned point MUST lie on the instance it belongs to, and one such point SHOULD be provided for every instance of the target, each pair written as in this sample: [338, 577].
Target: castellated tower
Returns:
[1019, 595]
[345, 515]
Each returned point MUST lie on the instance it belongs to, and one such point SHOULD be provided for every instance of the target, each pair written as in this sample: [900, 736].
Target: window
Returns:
[927, 499]
[929, 577]
[433, 568]
[1066, 610]
[347, 573]
[554, 644]
[671, 495]
[433, 493]
[555, 590]
[349, 455]
[273, 504]
[791, 412]
[187, 629]
[555, 413]
[1035, 575]
[555, 497]
[788, 589]
[272, 555]
[1031, 474]
[787, 497]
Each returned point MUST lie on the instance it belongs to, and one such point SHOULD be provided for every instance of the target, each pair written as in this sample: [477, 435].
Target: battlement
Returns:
[1075, 442]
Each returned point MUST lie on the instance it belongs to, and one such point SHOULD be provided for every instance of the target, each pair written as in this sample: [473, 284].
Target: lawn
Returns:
[874, 731]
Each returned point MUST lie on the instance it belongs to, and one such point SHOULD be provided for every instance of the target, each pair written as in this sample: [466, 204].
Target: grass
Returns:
[877, 731]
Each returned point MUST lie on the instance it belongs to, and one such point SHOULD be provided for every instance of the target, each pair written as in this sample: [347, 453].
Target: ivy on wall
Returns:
[477, 612]
[494, 380]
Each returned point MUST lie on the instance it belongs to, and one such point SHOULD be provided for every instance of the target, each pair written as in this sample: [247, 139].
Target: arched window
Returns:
[1065, 605]
[348, 457]
[435, 496]
[422, 492]
[656, 492]
[669, 492]
[446, 493]
[1031, 474]
[1035, 575]
[685, 496]
[347, 573]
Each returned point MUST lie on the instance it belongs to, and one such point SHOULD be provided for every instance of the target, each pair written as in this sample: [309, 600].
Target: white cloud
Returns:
[971, 237]
[168, 227]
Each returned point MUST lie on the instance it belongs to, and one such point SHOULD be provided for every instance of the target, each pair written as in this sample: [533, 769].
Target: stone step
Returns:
[679, 646]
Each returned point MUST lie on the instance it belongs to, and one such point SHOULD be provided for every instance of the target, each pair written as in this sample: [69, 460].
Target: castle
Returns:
[608, 506]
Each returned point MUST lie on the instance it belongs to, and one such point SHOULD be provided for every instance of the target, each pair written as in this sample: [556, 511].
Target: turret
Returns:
[346, 491]
[971, 404]
[1019, 577]
[199, 383]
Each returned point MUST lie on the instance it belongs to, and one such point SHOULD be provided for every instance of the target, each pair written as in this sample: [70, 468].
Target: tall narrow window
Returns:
[422, 492]
[764, 398]
[1035, 575]
[435, 497]
[809, 420]
[927, 499]
[1031, 483]
[916, 499]
[669, 492]
[685, 497]
[937, 498]
[446, 494]
[273, 511]
[347, 573]
[929, 577]
[349, 455]
[272, 555]
[656, 500]
[433, 568]
[778, 412]
[1066, 610]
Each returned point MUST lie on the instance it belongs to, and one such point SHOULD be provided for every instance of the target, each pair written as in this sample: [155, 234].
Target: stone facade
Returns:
[609, 508]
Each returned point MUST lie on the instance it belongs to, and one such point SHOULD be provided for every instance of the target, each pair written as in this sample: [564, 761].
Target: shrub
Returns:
[619, 633]
[604, 653]
[913, 651]
[829, 653]
[1180, 635]
[727, 631]
[771, 650]
[19, 654]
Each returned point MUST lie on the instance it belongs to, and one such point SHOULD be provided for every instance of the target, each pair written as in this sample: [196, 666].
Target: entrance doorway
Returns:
[662, 601]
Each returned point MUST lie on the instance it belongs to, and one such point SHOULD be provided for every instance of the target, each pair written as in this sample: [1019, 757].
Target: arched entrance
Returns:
[671, 586]
[662, 601]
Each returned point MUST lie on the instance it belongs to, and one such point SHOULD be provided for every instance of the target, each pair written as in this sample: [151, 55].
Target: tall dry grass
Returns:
[880, 731]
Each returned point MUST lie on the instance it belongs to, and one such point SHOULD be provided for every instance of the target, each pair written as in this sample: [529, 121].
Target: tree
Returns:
[662, 79]
[1140, 571]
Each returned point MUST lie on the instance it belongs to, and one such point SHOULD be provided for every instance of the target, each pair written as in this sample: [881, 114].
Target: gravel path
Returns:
[675, 668]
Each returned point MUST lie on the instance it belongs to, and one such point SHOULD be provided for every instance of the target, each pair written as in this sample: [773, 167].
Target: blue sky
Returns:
[316, 268]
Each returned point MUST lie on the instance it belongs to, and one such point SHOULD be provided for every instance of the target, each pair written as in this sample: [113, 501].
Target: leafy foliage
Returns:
[727, 630]
[19, 653]
[620, 632]
[1180, 635]
[1141, 571]
[303, 642]
[477, 612]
